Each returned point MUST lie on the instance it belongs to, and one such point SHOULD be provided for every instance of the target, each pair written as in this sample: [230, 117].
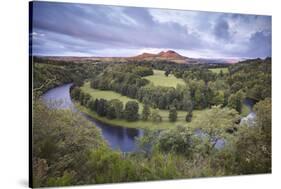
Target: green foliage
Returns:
[101, 107]
[235, 100]
[254, 143]
[110, 111]
[69, 150]
[155, 116]
[214, 123]
[176, 140]
[160, 97]
[253, 77]
[146, 112]
[187, 102]
[61, 142]
[263, 111]
[67, 179]
[142, 71]
[173, 114]
[131, 111]
[125, 81]
[75, 93]
[253, 148]
[118, 107]
[218, 98]
[51, 73]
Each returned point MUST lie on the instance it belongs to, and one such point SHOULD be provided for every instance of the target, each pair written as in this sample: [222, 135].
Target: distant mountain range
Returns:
[169, 55]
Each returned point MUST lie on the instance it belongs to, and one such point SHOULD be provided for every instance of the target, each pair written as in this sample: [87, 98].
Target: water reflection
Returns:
[117, 137]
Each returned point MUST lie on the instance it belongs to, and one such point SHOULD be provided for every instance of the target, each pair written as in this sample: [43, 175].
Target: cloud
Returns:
[260, 44]
[98, 30]
[221, 30]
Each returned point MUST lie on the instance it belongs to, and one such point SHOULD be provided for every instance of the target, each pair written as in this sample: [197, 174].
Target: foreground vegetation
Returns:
[69, 150]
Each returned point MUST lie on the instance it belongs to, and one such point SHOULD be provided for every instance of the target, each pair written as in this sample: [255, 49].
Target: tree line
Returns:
[48, 74]
[115, 109]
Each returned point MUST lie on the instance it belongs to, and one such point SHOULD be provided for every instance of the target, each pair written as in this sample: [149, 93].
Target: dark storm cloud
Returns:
[81, 29]
[260, 44]
[221, 30]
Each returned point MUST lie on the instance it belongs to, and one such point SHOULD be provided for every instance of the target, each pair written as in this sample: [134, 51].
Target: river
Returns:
[117, 137]
[120, 137]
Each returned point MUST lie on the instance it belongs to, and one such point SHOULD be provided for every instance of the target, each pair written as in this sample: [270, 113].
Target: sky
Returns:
[67, 29]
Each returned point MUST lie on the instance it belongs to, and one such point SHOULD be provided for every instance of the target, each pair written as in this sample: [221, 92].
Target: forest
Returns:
[171, 102]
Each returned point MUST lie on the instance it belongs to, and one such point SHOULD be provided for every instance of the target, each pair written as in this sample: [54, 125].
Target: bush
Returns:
[177, 140]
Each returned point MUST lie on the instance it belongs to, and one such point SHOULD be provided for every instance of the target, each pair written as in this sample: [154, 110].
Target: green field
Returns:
[218, 70]
[159, 79]
[109, 95]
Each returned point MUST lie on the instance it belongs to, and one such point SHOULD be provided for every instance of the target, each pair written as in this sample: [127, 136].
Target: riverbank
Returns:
[140, 124]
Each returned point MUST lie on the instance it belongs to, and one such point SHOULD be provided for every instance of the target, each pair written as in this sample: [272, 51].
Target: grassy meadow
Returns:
[159, 79]
[110, 95]
[218, 70]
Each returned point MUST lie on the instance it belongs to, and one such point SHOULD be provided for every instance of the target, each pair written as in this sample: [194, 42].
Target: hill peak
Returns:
[163, 55]
[170, 54]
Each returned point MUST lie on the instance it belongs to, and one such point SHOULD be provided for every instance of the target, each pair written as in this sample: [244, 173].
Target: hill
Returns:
[169, 55]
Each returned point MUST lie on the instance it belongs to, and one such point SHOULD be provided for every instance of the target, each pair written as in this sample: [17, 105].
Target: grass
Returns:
[159, 79]
[217, 70]
[109, 95]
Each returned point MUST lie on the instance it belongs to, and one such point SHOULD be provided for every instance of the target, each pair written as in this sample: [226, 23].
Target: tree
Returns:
[155, 116]
[218, 98]
[167, 72]
[81, 97]
[75, 93]
[198, 97]
[86, 99]
[162, 102]
[235, 100]
[95, 107]
[263, 112]
[253, 145]
[110, 112]
[188, 116]
[145, 112]
[118, 107]
[221, 73]
[101, 107]
[62, 140]
[187, 102]
[214, 122]
[173, 114]
[176, 140]
[131, 111]
[91, 105]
